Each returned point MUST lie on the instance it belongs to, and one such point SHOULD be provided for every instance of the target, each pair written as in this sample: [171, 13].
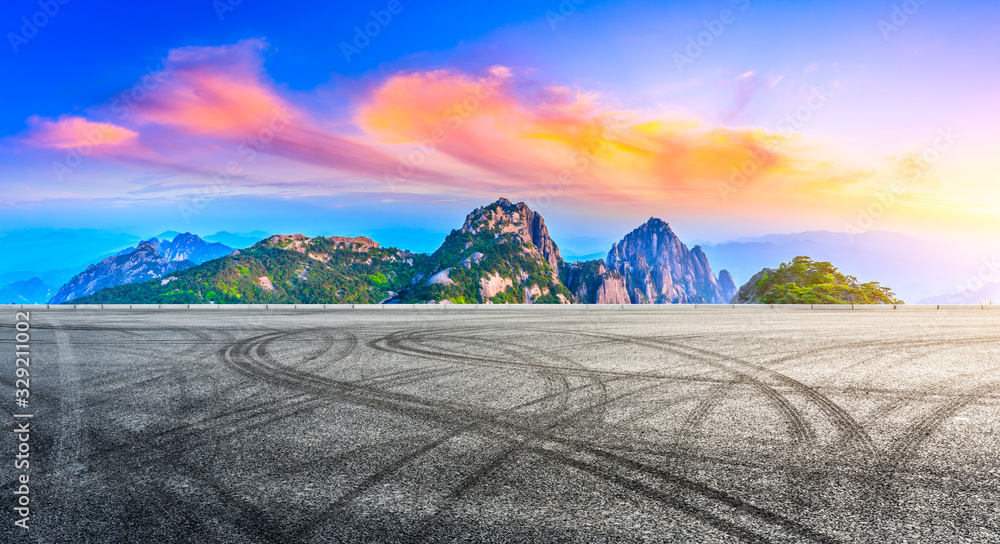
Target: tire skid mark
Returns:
[519, 444]
[906, 447]
[798, 426]
[698, 488]
[406, 404]
[557, 384]
[387, 471]
[558, 381]
[845, 423]
[392, 344]
[697, 416]
[881, 344]
[237, 420]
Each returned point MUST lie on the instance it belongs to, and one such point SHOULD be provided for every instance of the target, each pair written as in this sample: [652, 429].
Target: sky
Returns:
[394, 119]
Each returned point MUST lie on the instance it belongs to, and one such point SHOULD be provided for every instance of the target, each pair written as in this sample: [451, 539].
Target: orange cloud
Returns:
[533, 137]
[69, 132]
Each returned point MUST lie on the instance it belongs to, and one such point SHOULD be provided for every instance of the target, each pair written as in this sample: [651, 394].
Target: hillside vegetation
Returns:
[804, 281]
[267, 273]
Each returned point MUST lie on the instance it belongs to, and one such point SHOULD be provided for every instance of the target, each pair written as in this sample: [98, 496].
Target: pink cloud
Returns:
[67, 132]
[207, 107]
[223, 93]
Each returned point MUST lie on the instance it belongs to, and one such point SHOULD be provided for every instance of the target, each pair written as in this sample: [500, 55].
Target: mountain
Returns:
[727, 285]
[281, 269]
[802, 281]
[185, 247]
[650, 265]
[502, 253]
[48, 277]
[142, 264]
[986, 294]
[151, 259]
[30, 291]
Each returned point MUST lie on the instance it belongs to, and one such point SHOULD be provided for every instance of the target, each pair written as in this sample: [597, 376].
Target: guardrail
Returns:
[501, 307]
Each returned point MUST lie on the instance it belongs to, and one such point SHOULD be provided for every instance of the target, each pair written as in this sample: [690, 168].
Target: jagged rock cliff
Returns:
[657, 268]
[584, 278]
[504, 217]
[612, 289]
[142, 264]
[502, 253]
[185, 247]
[727, 284]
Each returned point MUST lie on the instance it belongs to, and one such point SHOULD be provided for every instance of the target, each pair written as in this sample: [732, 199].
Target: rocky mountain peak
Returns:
[727, 285]
[658, 268]
[149, 246]
[653, 242]
[504, 217]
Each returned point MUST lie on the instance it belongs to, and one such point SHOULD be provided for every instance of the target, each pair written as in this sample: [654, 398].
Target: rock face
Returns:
[441, 278]
[189, 247]
[584, 278]
[658, 269]
[322, 248]
[727, 284]
[748, 293]
[186, 247]
[493, 284]
[143, 264]
[503, 217]
[612, 290]
[502, 254]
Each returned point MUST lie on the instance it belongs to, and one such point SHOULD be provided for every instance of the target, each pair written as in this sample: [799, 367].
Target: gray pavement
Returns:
[508, 425]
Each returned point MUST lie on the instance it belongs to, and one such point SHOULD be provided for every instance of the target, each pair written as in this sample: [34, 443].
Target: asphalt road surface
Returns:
[685, 425]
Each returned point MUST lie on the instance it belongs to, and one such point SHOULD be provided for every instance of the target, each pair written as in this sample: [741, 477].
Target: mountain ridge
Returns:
[149, 260]
[502, 253]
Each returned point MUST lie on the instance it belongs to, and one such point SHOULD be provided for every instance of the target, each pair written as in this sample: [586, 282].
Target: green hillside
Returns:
[360, 275]
[803, 281]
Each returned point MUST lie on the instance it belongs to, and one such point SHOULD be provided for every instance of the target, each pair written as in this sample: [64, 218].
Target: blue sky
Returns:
[874, 86]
